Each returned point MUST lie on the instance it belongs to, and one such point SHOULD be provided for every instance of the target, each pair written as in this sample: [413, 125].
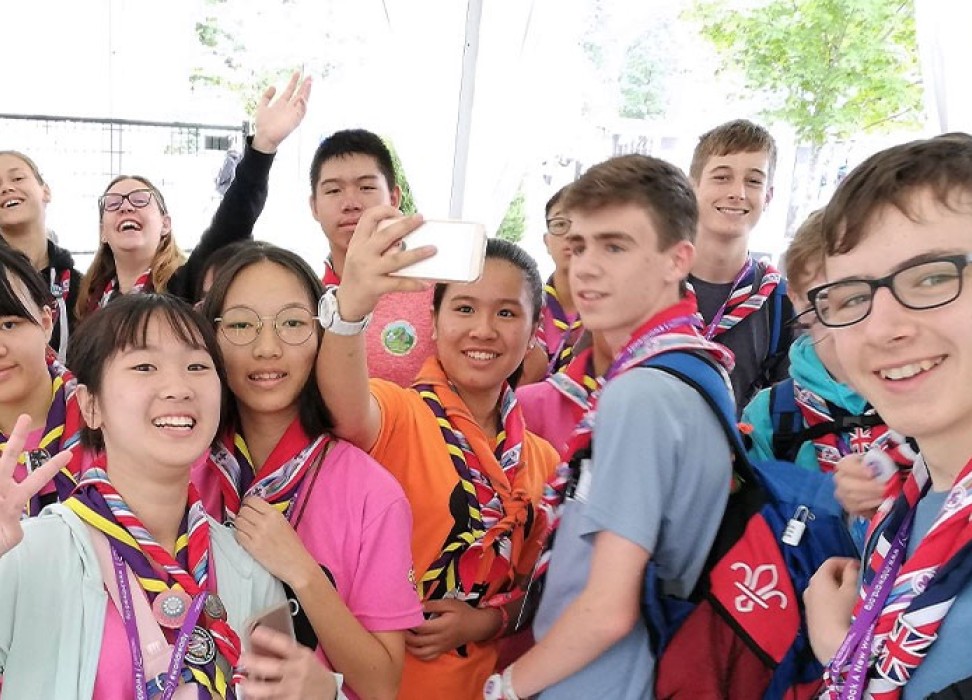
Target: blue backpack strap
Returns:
[786, 419]
[779, 305]
[702, 375]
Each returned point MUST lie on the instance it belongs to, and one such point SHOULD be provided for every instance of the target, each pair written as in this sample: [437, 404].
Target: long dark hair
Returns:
[315, 418]
[124, 324]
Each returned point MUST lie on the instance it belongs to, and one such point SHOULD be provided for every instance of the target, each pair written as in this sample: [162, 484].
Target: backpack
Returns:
[789, 433]
[741, 634]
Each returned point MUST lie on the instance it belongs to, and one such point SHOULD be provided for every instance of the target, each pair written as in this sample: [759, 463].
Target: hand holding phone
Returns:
[277, 618]
[460, 251]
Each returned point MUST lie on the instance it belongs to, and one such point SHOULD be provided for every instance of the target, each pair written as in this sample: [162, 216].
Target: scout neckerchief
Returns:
[746, 296]
[479, 559]
[330, 278]
[829, 448]
[175, 586]
[560, 349]
[577, 383]
[142, 284]
[277, 482]
[673, 329]
[903, 603]
[62, 431]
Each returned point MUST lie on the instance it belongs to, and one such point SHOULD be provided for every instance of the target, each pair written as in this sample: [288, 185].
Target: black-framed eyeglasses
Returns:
[924, 285]
[241, 325]
[558, 225]
[112, 201]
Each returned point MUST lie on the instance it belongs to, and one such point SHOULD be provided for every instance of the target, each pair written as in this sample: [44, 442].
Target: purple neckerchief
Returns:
[861, 634]
[127, 611]
[713, 326]
[632, 354]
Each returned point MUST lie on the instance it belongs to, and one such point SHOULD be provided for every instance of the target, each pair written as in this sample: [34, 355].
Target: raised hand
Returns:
[14, 496]
[277, 118]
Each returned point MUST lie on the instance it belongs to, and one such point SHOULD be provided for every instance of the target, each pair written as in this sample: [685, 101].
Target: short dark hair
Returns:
[124, 324]
[315, 418]
[15, 264]
[654, 185]
[552, 202]
[500, 249]
[804, 257]
[737, 136]
[351, 142]
[892, 177]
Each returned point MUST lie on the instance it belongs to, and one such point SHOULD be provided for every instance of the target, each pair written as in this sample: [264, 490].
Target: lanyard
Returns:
[711, 329]
[174, 672]
[857, 644]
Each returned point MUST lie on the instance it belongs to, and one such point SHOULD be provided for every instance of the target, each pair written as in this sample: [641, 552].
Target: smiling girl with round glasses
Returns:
[316, 511]
[138, 252]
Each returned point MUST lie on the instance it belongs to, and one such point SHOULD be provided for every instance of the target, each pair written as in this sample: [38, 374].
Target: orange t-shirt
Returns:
[410, 445]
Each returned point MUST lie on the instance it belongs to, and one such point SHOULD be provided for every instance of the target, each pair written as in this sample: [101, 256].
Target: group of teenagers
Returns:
[189, 442]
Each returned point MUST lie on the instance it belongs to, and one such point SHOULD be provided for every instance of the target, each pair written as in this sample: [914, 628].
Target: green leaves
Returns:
[830, 68]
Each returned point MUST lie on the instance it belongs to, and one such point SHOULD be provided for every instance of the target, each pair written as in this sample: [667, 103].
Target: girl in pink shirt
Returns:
[316, 511]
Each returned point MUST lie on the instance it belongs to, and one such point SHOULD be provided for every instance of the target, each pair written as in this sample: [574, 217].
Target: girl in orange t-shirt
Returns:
[455, 440]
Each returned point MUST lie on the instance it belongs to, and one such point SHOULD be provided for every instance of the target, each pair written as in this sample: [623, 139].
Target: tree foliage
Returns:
[242, 52]
[514, 222]
[830, 68]
[407, 205]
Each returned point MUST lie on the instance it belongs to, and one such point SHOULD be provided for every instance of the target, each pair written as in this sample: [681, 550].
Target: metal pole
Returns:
[467, 92]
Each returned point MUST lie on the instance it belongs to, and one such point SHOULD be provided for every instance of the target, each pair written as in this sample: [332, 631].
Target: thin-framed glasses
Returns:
[112, 201]
[558, 225]
[802, 322]
[241, 325]
[923, 285]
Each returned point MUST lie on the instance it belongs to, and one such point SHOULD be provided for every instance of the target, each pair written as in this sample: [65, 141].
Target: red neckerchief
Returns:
[746, 297]
[277, 482]
[924, 588]
[99, 504]
[142, 284]
[330, 278]
[479, 560]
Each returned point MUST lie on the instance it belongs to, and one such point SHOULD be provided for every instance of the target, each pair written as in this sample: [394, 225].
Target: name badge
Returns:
[583, 482]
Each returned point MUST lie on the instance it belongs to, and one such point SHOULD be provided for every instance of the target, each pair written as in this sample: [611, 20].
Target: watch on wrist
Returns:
[499, 686]
[329, 316]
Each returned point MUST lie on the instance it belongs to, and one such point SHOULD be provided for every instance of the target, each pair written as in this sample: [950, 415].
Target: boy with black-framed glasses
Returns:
[903, 220]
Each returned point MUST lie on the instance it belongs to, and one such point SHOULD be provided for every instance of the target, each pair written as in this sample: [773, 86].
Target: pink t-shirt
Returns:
[547, 413]
[399, 338]
[357, 523]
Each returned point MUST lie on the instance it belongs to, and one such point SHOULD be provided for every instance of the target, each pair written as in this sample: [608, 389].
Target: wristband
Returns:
[500, 686]
[504, 622]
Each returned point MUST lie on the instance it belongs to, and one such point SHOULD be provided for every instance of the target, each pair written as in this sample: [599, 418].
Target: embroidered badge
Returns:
[399, 337]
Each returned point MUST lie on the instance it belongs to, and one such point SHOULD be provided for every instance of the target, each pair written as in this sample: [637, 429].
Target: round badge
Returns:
[201, 649]
[170, 608]
[399, 338]
[37, 459]
[214, 607]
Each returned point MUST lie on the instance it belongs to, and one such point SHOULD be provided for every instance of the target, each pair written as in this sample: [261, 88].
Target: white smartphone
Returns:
[460, 251]
[277, 618]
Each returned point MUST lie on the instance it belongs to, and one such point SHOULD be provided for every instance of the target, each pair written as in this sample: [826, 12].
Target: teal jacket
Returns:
[807, 369]
[53, 602]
